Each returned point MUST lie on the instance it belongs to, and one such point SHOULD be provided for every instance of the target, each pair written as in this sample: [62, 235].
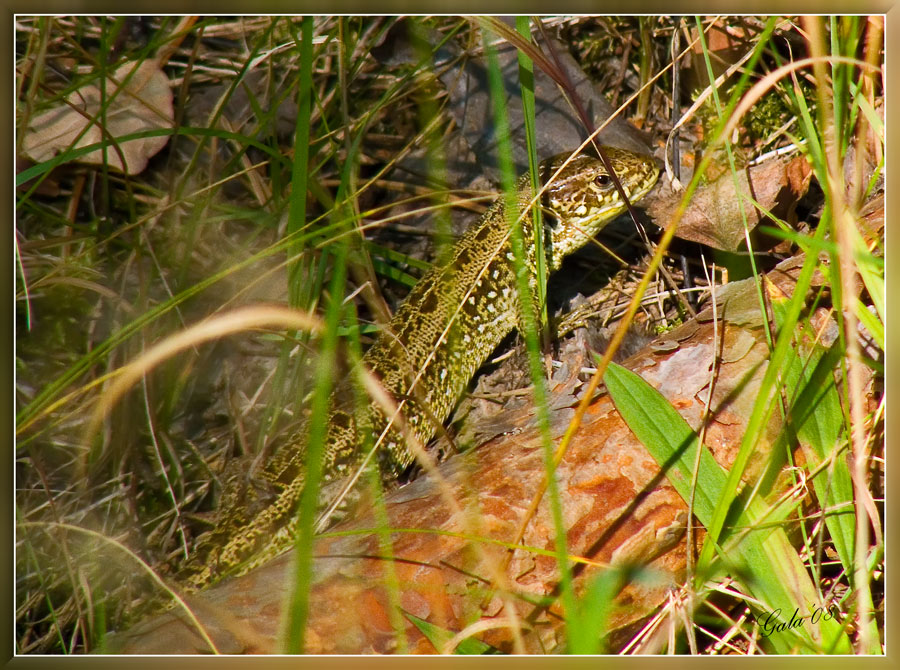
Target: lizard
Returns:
[444, 330]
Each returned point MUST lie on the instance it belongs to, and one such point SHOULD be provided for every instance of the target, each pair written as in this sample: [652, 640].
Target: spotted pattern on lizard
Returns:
[453, 318]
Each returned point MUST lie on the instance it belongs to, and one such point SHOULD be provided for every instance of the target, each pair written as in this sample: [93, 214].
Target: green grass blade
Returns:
[594, 609]
[299, 603]
[762, 410]
[300, 167]
[818, 420]
[74, 154]
[526, 81]
[52, 390]
[871, 269]
[528, 322]
[819, 423]
[872, 323]
[668, 437]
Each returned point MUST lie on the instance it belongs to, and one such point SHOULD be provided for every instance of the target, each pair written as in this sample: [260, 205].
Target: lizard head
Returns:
[582, 198]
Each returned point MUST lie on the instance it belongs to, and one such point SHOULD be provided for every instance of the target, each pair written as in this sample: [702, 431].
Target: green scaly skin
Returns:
[453, 318]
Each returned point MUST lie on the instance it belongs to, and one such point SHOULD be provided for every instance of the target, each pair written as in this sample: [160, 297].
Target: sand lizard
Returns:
[475, 294]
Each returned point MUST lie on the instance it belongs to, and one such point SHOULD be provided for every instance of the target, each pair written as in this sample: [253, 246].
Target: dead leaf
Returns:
[714, 214]
[145, 103]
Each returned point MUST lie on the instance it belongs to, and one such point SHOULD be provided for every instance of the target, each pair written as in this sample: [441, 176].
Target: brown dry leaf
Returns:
[714, 215]
[726, 43]
[145, 103]
[728, 40]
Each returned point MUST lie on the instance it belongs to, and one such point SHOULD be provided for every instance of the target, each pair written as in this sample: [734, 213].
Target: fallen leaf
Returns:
[714, 214]
[143, 103]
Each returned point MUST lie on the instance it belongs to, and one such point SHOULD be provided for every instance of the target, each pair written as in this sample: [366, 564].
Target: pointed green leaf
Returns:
[758, 555]
[441, 636]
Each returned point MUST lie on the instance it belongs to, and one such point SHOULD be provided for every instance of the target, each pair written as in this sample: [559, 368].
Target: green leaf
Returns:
[871, 269]
[758, 555]
[871, 322]
[815, 413]
[819, 422]
[669, 439]
[439, 637]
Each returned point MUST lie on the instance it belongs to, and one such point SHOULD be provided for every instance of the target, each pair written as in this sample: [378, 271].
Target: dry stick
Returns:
[178, 34]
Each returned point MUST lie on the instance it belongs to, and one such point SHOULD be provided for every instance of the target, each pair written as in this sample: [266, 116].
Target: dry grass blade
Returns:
[244, 319]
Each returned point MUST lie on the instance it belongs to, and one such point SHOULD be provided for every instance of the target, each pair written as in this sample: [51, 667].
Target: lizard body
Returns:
[451, 321]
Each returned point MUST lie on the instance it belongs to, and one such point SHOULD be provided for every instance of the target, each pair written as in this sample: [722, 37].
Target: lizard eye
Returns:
[603, 180]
